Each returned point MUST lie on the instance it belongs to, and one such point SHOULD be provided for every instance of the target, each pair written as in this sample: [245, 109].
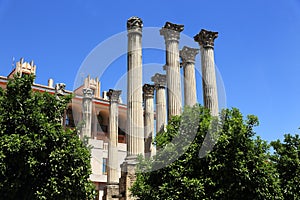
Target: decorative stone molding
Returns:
[114, 95]
[171, 31]
[188, 54]
[87, 93]
[134, 23]
[159, 80]
[206, 38]
[148, 91]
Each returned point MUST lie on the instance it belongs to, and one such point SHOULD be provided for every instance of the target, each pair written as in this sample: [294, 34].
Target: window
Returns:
[69, 118]
[104, 166]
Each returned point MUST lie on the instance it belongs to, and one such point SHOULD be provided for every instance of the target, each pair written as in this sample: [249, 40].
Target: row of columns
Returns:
[140, 123]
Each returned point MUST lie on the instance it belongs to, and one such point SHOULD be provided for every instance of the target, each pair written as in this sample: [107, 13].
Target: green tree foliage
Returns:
[38, 159]
[287, 159]
[238, 167]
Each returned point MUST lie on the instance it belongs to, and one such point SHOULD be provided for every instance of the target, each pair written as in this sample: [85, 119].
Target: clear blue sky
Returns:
[257, 51]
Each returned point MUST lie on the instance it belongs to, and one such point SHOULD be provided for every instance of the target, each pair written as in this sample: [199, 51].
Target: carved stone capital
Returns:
[188, 54]
[134, 24]
[114, 95]
[148, 91]
[87, 93]
[159, 80]
[171, 31]
[206, 38]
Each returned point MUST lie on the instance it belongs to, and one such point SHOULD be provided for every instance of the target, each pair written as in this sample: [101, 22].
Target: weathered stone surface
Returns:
[134, 23]
[188, 55]
[135, 122]
[111, 192]
[206, 41]
[149, 119]
[206, 38]
[171, 33]
[114, 95]
[127, 179]
[161, 108]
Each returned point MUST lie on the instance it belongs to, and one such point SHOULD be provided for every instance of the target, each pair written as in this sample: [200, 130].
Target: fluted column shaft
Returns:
[112, 174]
[190, 93]
[209, 80]
[149, 119]
[87, 112]
[135, 122]
[161, 108]
[171, 33]
[206, 41]
[187, 55]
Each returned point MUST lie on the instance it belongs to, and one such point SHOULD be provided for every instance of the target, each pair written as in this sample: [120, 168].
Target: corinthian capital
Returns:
[134, 23]
[87, 93]
[148, 91]
[188, 54]
[206, 38]
[159, 80]
[114, 95]
[171, 31]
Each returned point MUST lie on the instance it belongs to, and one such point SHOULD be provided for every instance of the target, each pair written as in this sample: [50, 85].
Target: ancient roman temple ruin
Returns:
[118, 131]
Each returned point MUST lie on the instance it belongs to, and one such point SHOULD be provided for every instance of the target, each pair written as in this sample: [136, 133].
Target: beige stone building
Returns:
[74, 114]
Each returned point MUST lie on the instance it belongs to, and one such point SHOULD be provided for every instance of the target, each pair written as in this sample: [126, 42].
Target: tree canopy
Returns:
[217, 159]
[38, 158]
[287, 161]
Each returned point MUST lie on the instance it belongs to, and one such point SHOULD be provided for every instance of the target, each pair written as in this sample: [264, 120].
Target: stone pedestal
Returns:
[188, 55]
[171, 33]
[161, 108]
[206, 41]
[111, 192]
[87, 113]
[150, 149]
[112, 188]
[135, 120]
[127, 179]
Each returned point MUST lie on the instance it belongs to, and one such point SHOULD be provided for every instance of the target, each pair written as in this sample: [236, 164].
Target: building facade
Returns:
[74, 115]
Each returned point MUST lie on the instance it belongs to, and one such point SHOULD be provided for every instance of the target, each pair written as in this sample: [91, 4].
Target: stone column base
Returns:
[111, 192]
[127, 178]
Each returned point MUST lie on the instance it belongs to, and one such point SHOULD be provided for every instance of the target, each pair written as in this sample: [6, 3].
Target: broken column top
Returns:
[114, 95]
[171, 31]
[188, 54]
[206, 38]
[134, 23]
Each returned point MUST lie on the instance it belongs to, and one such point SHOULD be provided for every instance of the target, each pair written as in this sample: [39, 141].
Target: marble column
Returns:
[112, 187]
[135, 123]
[161, 108]
[171, 33]
[87, 112]
[149, 119]
[188, 55]
[206, 41]
[135, 119]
